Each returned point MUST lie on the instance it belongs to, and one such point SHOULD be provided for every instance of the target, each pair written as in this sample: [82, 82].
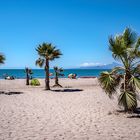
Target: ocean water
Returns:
[39, 73]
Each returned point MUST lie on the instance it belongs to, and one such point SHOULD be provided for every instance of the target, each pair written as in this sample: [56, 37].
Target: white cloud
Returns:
[89, 64]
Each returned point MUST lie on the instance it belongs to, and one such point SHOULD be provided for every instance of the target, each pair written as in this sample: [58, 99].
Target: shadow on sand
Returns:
[10, 92]
[135, 114]
[67, 90]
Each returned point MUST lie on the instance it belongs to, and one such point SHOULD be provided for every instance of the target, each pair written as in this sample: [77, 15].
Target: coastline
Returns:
[40, 73]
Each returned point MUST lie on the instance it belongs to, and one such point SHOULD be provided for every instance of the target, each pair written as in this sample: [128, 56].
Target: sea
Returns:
[40, 73]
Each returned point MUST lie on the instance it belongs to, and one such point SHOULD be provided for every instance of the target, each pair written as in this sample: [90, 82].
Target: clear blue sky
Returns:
[79, 28]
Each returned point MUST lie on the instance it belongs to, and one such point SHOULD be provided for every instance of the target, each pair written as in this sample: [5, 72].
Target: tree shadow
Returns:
[135, 113]
[137, 110]
[68, 87]
[131, 114]
[134, 116]
[10, 92]
[67, 90]
[121, 111]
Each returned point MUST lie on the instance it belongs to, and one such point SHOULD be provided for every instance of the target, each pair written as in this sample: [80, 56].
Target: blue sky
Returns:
[79, 28]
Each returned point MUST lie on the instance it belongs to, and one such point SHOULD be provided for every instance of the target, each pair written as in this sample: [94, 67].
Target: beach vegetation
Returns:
[35, 82]
[124, 80]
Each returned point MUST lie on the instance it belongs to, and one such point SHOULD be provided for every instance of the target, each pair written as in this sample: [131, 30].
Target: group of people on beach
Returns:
[72, 76]
[7, 77]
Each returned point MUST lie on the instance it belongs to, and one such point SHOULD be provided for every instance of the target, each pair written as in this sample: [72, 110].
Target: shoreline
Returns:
[85, 77]
[39, 73]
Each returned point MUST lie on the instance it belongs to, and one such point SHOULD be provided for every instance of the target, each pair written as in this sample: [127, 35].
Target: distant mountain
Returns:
[104, 66]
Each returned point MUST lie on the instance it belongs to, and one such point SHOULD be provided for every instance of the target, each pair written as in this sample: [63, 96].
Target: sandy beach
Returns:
[78, 111]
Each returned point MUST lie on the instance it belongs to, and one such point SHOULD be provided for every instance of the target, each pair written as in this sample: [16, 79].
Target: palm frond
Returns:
[137, 43]
[128, 100]
[136, 70]
[137, 49]
[58, 71]
[40, 62]
[55, 54]
[48, 51]
[2, 58]
[115, 46]
[41, 50]
[135, 82]
[109, 82]
[55, 68]
[28, 71]
[129, 38]
[118, 69]
[61, 69]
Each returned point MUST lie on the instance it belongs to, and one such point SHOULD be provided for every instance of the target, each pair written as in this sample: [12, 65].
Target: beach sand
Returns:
[78, 111]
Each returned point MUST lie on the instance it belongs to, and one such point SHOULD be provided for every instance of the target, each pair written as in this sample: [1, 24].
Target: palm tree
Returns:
[126, 49]
[28, 73]
[47, 52]
[2, 58]
[58, 72]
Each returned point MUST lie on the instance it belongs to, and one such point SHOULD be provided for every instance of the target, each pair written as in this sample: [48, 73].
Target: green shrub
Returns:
[35, 82]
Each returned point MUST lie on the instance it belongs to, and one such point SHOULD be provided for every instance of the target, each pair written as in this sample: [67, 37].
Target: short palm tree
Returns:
[2, 58]
[47, 52]
[58, 72]
[126, 49]
[28, 74]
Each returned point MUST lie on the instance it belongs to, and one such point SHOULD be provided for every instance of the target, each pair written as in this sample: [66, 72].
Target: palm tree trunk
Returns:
[47, 80]
[27, 79]
[127, 86]
[127, 78]
[56, 80]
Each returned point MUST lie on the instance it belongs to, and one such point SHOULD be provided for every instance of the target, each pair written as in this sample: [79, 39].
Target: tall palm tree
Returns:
[126, 49]
[47, 52]
[58, 72]
[2, 58]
